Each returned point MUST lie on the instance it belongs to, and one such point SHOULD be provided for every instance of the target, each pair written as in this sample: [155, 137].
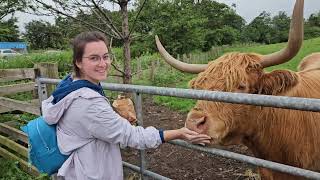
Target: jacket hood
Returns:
[66, 92]
[53, 112]
[68, 85]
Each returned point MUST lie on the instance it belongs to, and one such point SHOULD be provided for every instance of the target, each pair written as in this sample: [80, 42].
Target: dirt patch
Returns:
[176, 162]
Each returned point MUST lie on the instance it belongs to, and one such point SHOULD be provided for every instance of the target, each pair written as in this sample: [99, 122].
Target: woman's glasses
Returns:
[96, 58]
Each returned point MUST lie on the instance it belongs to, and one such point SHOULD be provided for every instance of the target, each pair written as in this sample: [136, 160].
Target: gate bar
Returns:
[251, 160]
[297, 103]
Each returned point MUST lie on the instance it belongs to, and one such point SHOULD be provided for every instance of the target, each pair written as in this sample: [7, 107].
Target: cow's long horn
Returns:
[185, 67]
[294, 41]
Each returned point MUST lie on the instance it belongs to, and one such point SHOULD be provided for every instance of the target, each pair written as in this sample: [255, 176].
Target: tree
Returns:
[69, 28]
[175, 21]
[218, 37]
[281, 26]
[43, 35]
[9, 30]
[10, 6]
[220, 15]
[312, 26]
[260, 29]
[314, 19]
[187, 25]
[79, 10]
[311, 32]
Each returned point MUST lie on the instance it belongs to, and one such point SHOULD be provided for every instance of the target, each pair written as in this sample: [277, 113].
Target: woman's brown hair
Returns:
[79, 43]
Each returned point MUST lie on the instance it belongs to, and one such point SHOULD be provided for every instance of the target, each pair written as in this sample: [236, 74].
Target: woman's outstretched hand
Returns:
[194, 137]
[187, 135]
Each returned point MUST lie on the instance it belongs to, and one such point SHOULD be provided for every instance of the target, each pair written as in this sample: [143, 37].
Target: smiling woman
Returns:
[87, 127]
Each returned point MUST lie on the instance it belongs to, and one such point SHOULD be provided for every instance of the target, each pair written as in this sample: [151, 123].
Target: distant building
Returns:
[17, 46]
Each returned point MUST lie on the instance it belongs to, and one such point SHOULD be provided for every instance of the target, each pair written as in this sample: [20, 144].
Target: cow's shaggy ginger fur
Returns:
[287, 136]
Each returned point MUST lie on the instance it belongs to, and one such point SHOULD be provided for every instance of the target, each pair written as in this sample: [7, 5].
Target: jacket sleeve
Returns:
[107, 125]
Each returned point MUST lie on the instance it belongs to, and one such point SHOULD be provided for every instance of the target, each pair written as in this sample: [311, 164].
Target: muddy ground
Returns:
[176, 162]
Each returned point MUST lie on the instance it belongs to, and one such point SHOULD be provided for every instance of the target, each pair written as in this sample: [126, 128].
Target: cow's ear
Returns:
[277, 82]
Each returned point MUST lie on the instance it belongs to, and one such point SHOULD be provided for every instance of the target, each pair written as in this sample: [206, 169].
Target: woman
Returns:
[87, 127]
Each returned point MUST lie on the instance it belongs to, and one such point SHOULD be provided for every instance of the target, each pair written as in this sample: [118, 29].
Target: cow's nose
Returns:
[197, 124]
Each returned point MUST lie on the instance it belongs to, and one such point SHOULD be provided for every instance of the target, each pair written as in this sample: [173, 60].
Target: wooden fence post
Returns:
[139, 68]
[184, 57]
[152, 71]
[48, 70]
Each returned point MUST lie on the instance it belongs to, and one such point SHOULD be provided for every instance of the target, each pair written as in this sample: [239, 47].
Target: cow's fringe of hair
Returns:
[227, 72]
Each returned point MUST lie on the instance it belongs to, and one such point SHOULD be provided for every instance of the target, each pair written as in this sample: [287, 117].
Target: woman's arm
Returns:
[107, 125]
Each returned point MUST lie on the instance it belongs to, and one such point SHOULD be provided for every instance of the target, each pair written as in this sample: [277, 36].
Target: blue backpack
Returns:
[44, 153]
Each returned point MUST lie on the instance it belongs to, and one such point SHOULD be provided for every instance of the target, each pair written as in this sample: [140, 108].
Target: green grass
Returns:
[308, 47]
[9, 170]
[181, 80]
[174, 103]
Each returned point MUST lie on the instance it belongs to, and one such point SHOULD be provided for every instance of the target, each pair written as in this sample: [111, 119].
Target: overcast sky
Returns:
[248, 9]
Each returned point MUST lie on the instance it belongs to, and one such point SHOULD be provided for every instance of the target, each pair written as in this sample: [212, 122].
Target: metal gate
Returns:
[295, 103]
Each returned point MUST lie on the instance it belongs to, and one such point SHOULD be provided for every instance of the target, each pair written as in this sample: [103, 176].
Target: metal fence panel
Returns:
[296, 103]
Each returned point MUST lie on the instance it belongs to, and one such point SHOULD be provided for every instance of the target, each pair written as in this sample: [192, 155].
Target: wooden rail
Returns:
[21, 151]
[13, 142]
[20, 105]
[13, 133]
[16, 88]
[17, 74]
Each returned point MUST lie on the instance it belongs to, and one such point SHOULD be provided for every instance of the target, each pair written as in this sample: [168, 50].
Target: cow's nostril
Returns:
[201, 122]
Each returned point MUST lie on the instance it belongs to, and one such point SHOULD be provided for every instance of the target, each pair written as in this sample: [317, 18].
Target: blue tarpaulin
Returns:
[13, 45]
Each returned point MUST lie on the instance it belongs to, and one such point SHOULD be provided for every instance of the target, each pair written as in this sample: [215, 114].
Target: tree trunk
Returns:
[127, 78]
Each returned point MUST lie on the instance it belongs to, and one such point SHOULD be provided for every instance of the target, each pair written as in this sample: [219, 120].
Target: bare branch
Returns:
[49, 7]
[132, 74]
[115, 75]
[105, 23]
[114, 1]
[117, 68]
[108, 18]
[135, 19]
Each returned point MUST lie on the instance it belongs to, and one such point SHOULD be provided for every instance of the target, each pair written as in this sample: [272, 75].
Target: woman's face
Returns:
[95, 62]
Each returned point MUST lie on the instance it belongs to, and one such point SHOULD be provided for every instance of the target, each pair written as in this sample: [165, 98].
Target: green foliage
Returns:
[314, 19]
[21, 96]
[179, 104]
[9, 30]
[281, 26]
[43, 35]
[311, 32]
[22, 119]
[10, 6]
[260, 29]
[218, 37]
[183, 27]
[9, 170]
[165, 77]
[68, 28]
[312, 26]
[63, 58]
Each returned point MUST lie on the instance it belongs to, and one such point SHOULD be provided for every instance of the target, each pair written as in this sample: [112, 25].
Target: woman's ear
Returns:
[79, 64]
[276, 82]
